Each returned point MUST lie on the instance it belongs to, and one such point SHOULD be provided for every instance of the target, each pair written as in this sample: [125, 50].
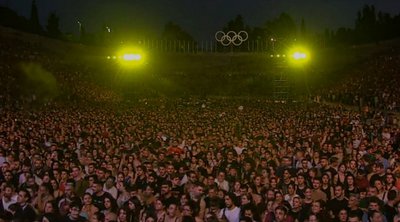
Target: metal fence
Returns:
[211, 46]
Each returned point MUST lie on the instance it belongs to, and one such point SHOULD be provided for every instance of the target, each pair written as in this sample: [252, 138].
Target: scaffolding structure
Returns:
[282, 88]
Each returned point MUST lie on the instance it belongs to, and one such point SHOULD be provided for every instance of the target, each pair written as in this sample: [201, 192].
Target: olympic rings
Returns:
[231, 37]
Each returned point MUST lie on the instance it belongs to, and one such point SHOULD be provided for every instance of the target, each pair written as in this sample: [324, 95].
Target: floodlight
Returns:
[299, 55]
[132, 57]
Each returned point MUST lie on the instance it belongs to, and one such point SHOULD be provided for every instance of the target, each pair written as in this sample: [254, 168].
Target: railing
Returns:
[210, 46]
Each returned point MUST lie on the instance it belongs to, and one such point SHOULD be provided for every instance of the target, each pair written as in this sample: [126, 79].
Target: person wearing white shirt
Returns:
[109, 187]
[231, 213]
[221, 182]
[8, 198]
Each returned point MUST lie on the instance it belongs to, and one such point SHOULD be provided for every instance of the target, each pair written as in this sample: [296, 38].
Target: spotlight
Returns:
[132, 57]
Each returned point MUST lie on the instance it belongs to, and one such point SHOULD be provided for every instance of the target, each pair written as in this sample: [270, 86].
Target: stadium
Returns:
[247, 125]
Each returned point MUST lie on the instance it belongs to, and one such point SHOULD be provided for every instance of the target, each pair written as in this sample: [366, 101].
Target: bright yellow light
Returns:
[132, 57]
[299, 55]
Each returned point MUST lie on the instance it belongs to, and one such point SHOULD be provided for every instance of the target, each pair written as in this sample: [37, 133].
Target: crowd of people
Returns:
[199, 160]
[194, 159]
[74, 80]
[372, 83]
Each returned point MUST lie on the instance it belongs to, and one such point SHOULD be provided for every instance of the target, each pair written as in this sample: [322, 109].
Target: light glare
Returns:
[299, 55]
[132, 57]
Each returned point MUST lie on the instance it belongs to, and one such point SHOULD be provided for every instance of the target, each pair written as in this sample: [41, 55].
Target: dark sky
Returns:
[201, 18]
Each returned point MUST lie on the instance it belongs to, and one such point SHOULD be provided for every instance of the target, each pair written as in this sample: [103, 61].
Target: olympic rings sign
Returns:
[231, 37]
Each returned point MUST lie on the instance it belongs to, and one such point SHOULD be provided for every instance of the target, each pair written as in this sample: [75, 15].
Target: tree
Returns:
[344, 35]
[176, 38]
[10, 18]
[366, 25]
[34, 20]
[236, 24]
[282, 27]
[53, 29]
[173, 31]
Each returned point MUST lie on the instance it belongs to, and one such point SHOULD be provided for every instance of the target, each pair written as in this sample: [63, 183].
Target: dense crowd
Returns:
[372, 83]
[198, 160]
[73, 80]
[195, 159]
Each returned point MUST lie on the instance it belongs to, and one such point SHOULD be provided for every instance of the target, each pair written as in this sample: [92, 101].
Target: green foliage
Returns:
[10, 18]
[53, 29]
[236, 24]
[173, 31]
[370, 27]
[282, 27]
[366, 25]
[34, 20]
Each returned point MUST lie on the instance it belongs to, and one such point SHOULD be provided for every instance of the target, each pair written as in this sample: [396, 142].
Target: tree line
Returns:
[370, 26]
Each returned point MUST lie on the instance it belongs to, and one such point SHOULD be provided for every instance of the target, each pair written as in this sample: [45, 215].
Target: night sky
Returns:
[201, 18]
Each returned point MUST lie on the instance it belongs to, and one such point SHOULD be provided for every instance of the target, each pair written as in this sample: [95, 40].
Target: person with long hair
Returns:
[349, 185]
[257, 198]
[159, 210]
[172, 214]
[57, 192]
[273, 183]
[184, 200]
[133, 208]
[88, 207]
[44, 195]
[123, 194]
[50, 211]
[340, 177]
[291, 193]
[315, 159]
[129, 173]
[268, 214]
[258, 184]
[236, 188]
[122, 215]
[380, 187]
